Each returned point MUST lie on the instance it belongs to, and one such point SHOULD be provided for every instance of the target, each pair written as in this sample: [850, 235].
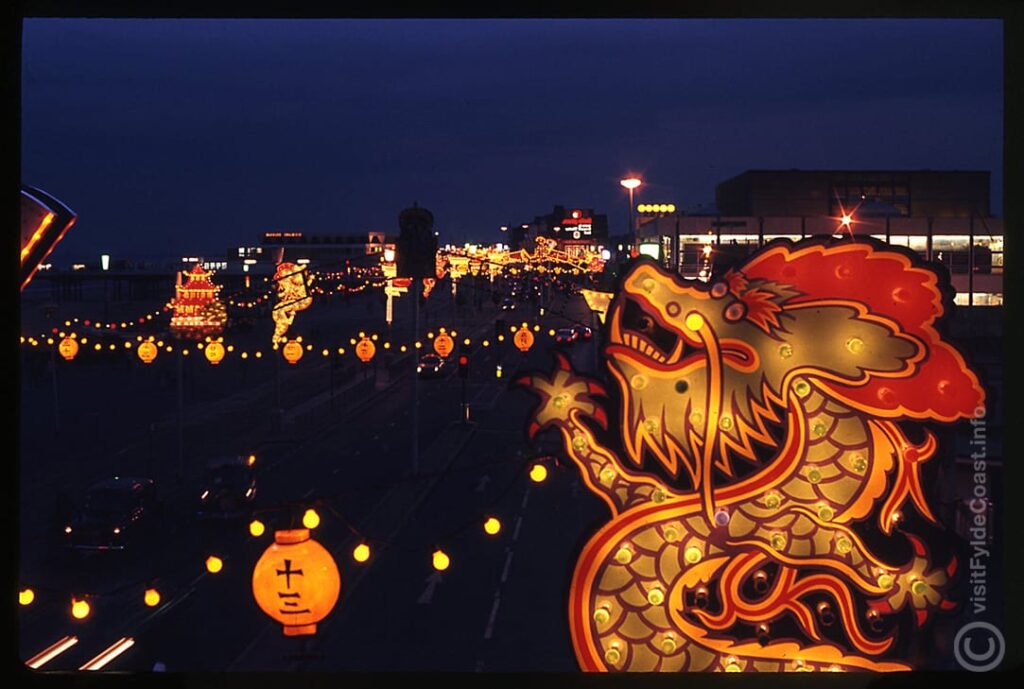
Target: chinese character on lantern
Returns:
[68, 348]
[147, 351]
[292, 351]
[365, 349]
[523, 339]
[296, 582]
[443, 344]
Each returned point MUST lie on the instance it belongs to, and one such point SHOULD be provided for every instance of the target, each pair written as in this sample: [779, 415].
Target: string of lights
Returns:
[82, 602]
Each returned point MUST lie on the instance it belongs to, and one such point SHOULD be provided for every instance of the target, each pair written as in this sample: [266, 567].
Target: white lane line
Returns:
[50, 652]
[526, 498]
[519, 523]
[115, 649]
[494, 613]
[508, 562]
[309, 492]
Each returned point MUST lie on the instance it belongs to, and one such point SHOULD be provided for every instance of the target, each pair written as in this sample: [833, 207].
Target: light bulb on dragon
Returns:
[762, 418]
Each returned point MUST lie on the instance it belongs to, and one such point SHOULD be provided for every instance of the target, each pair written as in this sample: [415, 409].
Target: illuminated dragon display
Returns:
[760, 420]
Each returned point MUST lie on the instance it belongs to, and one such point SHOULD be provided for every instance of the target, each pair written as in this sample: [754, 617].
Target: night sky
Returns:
[185, 137]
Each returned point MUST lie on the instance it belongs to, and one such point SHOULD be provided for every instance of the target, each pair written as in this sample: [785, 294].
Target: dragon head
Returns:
[705, 370]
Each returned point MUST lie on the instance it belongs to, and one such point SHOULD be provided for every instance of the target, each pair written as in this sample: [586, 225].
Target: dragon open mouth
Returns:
[642, 332]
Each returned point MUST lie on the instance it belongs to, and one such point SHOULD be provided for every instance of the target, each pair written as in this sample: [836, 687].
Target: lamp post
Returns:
[631, 183]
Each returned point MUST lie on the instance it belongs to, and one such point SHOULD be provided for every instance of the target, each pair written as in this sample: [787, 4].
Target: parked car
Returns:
[228, 489]
[116, 514]
[508, 304]
[431, 366]
[566, 336]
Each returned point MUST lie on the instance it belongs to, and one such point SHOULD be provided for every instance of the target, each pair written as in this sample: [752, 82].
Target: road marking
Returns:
[309, 492]
[427, 597]
[482, 483]
[519, 522]
[115, 649]
[508, 561]
[51, 652]
[494, 613]
[526, 498]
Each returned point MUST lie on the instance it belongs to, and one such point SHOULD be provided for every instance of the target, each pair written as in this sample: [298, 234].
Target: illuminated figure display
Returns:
[292, 296]
[197, 311]
[761, 421]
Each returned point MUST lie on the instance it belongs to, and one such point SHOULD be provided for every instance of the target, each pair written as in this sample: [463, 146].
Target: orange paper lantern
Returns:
[523, 339]
[443, 344]
[68, 348]
[214, 352]
[365, 349]
[147, 351]
[296, 582]
[292, 351]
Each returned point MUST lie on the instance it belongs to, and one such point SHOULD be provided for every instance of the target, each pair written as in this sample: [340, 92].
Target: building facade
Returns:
[574, 229]
[943, 216]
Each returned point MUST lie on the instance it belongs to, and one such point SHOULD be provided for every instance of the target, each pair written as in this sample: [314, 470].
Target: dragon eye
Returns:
[645, 324]
[719, 290]
[735, 311]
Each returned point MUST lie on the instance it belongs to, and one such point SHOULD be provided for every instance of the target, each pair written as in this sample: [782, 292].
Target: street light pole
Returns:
[631, 183]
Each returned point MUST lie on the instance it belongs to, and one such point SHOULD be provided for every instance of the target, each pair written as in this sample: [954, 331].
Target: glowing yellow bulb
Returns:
[26, 596]
[441, 560]
[310, 519]
[214, 564]
[257, 528]
[655, 596]
[492, 526]
[693, 555]
[361, 553]
[886, 581]
[151, 598]
[602, 614]
[538, 473]
[694, 321]
[80, 609]
[623, 555]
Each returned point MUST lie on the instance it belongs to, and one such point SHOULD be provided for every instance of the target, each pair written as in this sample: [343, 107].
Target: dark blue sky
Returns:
[189, 136]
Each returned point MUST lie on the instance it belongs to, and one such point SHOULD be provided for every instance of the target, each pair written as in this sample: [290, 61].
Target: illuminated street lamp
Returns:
[389, 255]
[631, 183]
